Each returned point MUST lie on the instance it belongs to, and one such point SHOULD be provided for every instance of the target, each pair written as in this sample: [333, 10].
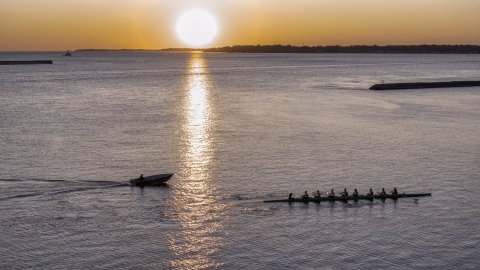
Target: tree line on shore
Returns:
[277, 48]
[465, 49]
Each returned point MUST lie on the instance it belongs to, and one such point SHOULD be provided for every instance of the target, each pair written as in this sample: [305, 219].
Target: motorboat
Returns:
[153, 180]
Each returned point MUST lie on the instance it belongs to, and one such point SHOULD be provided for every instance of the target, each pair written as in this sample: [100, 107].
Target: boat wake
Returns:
[20, 196]
[62, 187]
[10, 180]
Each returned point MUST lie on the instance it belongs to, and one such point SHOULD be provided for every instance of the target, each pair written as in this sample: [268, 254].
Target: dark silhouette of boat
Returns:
[153, 180]
[68, 53]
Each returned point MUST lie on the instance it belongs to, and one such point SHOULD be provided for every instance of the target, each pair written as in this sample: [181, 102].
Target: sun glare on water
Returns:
[196, 28]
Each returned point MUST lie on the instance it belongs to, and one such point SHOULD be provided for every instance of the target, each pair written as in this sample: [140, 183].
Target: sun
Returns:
[196, 28]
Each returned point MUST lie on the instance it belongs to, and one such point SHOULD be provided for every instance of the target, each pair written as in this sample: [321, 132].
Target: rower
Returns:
[290, 196]
[370, 193]
[355, 193]
[141, 177]
[305, 196]
[382, 193]
[317, 194]
[394, 191]
[344, 193]
[331, 194]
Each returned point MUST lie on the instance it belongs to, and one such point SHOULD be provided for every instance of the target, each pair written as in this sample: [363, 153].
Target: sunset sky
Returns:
[57, 25]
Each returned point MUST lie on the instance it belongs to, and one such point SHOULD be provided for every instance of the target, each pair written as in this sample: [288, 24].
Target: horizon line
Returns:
[246, 45]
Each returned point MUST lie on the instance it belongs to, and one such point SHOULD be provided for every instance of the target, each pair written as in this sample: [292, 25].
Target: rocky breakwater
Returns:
[417, 85]
[36, 62]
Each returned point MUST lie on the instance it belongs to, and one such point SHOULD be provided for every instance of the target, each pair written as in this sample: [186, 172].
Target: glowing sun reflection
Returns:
[198, 120]
[195, 202]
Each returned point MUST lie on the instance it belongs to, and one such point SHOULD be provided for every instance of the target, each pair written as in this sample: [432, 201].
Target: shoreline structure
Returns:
[419, 85]
[35, 62]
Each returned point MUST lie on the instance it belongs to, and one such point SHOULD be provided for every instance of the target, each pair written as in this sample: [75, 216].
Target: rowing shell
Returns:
[322, 199]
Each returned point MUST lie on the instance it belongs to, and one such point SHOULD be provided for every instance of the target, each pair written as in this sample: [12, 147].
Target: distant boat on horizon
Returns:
[68, 53]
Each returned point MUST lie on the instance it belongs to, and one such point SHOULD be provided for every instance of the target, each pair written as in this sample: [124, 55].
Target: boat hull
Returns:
[351, 198]
[154, 180]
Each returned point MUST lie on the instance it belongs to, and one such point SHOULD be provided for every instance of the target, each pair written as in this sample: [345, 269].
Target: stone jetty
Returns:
[394, 86]
[37, 62]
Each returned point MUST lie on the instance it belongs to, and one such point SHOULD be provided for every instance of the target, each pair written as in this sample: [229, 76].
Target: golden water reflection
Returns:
[196, 209]
[198, 122]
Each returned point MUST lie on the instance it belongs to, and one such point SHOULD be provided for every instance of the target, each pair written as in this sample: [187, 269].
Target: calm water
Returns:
[236, 129]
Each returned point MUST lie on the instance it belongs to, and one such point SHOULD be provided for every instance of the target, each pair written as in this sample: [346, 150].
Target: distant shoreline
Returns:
[397, 49]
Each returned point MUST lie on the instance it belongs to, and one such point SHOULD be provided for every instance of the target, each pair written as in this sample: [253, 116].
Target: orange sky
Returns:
[49, 25]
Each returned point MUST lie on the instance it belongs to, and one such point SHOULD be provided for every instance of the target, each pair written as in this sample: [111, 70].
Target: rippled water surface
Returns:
[237, 129]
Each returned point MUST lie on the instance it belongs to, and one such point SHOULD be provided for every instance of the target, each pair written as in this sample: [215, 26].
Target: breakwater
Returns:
[393, 86]
[37, 62]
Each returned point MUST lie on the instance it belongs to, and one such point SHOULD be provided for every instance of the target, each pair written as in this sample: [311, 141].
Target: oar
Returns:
[376, 199]
[373, 196]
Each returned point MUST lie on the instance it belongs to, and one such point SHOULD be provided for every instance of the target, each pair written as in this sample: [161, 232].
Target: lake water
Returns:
[237, 129]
